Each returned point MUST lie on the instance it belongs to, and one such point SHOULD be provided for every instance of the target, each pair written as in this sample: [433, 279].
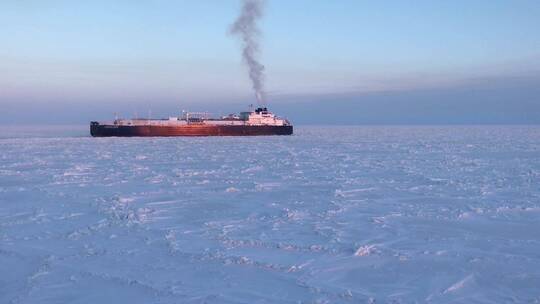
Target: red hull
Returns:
[98, 130]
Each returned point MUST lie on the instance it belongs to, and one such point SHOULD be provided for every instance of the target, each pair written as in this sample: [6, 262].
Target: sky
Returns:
[435, 61]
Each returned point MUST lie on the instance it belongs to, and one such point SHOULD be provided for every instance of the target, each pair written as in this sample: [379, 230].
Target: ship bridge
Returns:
[261, 116]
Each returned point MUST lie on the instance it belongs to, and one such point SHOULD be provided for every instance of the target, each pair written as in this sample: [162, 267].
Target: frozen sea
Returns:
[429, 214]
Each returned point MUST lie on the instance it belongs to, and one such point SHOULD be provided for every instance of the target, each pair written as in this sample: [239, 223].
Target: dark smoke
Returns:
[246, 27]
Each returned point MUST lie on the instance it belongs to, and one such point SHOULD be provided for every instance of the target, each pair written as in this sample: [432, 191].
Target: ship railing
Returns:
[197, 115]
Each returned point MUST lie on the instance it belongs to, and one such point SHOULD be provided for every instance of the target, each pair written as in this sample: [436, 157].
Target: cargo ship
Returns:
[256, 122]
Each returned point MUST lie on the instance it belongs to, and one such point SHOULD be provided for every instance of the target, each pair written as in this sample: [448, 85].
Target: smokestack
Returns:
[246, 28]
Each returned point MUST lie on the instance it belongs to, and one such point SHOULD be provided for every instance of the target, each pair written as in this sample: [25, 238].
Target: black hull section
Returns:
[98, 130]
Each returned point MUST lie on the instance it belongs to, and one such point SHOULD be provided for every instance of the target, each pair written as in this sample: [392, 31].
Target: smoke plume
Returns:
[246, 28]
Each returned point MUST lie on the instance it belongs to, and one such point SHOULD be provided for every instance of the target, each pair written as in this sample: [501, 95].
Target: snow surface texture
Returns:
[329, 215]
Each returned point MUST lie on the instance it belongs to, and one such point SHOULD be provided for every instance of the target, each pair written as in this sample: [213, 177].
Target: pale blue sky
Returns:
[104, 52]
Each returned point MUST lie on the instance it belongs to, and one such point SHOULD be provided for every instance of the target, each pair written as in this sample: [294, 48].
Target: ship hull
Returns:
[99, 130]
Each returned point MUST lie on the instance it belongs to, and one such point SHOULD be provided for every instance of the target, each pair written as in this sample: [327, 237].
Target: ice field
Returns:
[447, 214]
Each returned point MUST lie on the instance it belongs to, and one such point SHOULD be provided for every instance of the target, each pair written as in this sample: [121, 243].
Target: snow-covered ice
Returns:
[329, 215]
